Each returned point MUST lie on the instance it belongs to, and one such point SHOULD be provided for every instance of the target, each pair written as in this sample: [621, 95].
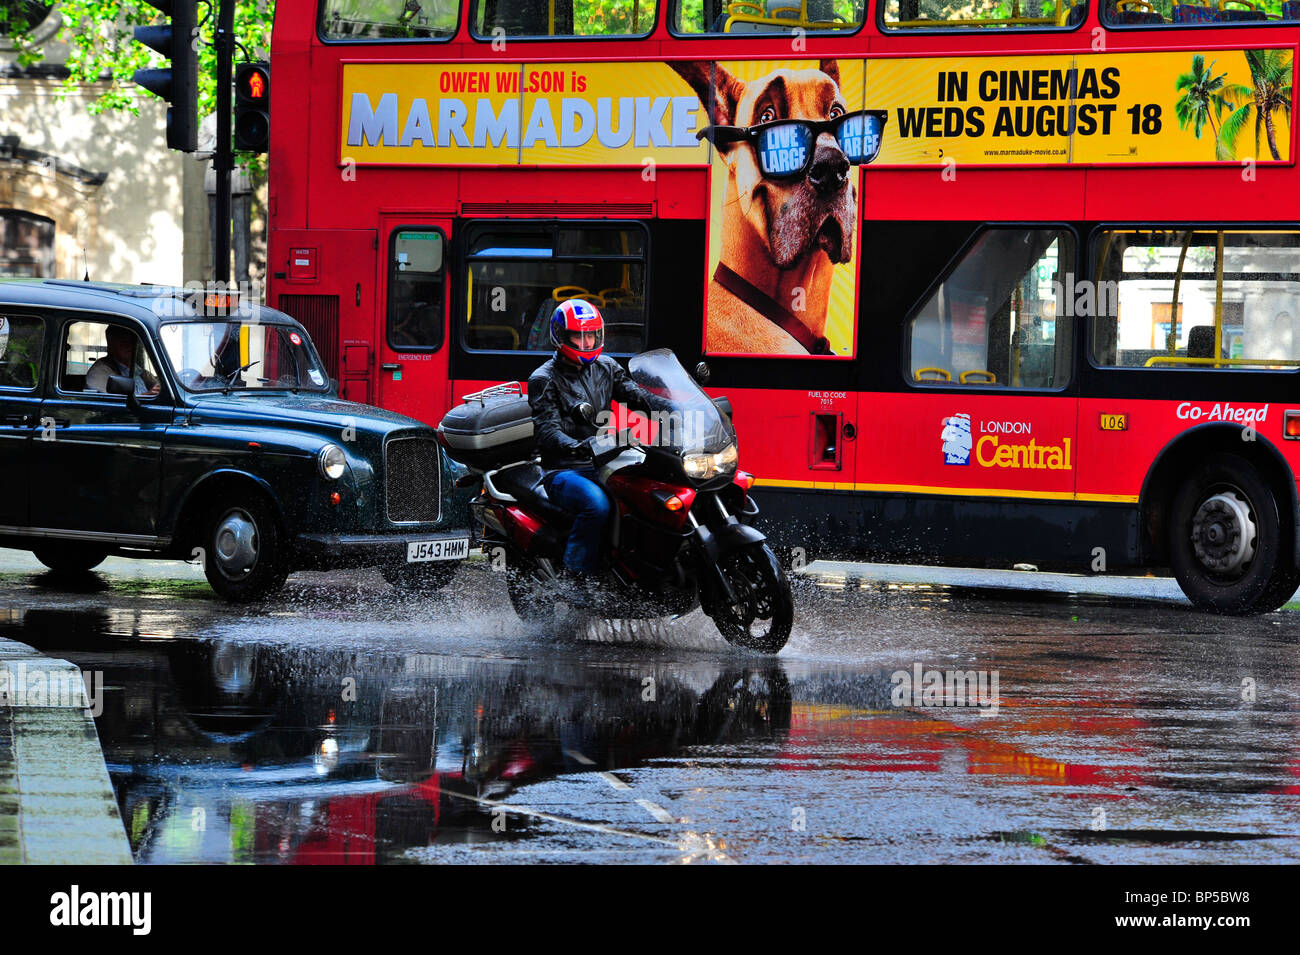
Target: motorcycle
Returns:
[681, 535]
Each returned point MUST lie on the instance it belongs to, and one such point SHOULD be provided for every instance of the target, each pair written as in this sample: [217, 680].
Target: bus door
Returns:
[411, 359]
[326, 280]
[988, 355]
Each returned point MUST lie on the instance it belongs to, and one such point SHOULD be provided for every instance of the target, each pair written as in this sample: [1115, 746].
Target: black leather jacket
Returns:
[559, 386]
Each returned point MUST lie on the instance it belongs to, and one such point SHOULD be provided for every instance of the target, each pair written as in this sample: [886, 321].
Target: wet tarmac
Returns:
[347, 723]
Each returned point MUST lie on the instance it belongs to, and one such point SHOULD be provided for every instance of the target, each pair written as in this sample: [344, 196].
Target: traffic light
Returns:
[179, 84]
[252, 107]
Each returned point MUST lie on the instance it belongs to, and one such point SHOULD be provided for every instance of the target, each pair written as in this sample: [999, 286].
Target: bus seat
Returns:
[1186, 13]
[1200, 341]
[1131, 12]
[1251, 12]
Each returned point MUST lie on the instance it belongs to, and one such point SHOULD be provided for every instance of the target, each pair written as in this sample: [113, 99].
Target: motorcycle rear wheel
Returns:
[531, 605]
[763, 614]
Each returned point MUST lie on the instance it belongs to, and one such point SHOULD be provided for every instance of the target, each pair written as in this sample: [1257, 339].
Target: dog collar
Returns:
[770, 309]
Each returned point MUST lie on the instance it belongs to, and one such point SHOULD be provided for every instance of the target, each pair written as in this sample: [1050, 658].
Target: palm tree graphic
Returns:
[1270, 94]
[1203, 100]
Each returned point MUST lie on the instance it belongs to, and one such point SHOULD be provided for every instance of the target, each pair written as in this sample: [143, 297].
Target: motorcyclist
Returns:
[579, 374]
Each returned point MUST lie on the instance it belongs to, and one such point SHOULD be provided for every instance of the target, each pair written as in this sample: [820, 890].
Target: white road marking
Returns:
[550, 817]
[614, 781]
[659, 812]
[695, 847]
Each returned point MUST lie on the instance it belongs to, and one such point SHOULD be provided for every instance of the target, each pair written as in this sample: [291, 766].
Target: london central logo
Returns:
[956, 439]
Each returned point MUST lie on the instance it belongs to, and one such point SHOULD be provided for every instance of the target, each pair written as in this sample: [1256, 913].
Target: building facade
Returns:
[98, 195]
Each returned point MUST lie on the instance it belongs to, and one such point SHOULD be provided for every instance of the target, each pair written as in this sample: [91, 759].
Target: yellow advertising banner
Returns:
[442, 114]
[1097, 108]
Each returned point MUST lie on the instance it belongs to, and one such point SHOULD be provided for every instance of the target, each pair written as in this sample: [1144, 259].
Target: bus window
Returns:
[520, 273]
[1165, 12]
[996, 319]
[551, 18]
[914, 15]
[415, 276]
[766, 16]
[388, 19]
[1197, 299]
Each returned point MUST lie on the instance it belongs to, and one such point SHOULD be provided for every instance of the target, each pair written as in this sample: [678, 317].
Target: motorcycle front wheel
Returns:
[762, 614]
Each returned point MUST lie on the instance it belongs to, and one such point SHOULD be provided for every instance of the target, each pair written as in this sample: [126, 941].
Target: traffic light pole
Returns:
[224, 159]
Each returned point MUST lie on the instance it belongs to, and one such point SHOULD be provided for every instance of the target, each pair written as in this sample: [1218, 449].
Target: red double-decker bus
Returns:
[989, 282]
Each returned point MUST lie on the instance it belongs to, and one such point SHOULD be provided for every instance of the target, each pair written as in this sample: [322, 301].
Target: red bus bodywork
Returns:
[847, 452]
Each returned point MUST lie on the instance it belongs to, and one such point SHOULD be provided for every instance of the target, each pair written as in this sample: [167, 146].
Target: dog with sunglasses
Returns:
[790, 204]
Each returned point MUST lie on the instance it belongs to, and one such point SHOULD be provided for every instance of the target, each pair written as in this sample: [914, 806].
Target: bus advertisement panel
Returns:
[783, 235]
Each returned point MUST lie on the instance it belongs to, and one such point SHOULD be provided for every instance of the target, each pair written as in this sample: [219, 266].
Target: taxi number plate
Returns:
[455, 548]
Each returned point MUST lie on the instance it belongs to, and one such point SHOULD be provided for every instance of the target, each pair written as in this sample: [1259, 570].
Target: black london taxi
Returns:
[147, 421]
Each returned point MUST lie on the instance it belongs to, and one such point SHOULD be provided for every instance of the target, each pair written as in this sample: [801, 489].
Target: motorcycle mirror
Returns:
[702, 373]
[584, 412]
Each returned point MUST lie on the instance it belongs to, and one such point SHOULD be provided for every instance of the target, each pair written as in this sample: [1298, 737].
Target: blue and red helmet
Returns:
[578, 331]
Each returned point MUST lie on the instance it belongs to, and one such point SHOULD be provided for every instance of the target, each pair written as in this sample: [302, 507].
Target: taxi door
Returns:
[22, 348]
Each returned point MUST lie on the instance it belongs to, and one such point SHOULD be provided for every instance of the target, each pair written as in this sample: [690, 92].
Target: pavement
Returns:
[56, 802]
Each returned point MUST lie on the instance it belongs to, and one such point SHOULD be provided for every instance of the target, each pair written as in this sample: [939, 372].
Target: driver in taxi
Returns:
[120, 361]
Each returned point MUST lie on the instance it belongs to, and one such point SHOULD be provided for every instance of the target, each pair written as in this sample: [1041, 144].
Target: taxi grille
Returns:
[412, 480]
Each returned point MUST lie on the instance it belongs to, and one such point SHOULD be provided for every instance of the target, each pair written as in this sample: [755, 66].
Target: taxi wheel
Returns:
[68, 558]
[421, 578]
[242, 554]
[1228, 544]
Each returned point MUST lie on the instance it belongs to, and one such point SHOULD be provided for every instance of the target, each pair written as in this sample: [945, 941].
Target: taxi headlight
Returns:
[701, 467]
[332, 462]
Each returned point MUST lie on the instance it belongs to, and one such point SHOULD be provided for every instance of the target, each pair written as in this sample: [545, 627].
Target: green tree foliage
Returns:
[103, 48]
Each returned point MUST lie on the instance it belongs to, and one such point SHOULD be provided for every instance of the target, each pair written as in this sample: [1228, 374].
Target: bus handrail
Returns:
[1181, 360]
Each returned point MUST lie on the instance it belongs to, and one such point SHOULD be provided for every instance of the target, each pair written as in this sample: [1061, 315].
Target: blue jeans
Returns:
[581, 496]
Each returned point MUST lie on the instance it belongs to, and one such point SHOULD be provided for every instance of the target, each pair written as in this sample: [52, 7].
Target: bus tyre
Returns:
[763, 613]
[1229, 547]
[243, 560]
[424, 578]
[68, 558]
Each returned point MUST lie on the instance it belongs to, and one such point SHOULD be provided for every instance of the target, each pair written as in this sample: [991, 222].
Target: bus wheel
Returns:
[1228, 545]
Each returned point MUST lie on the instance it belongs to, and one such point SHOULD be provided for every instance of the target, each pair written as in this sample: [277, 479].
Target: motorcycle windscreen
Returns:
[687, 419]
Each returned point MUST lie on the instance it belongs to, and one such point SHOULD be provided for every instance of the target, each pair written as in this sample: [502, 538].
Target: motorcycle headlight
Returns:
[332, 462]
[701, 467]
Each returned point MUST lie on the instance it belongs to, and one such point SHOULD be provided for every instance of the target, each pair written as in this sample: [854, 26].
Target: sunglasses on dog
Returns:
[785, 146]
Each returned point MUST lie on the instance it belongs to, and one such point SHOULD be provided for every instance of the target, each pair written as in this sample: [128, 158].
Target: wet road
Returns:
[345, 723]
